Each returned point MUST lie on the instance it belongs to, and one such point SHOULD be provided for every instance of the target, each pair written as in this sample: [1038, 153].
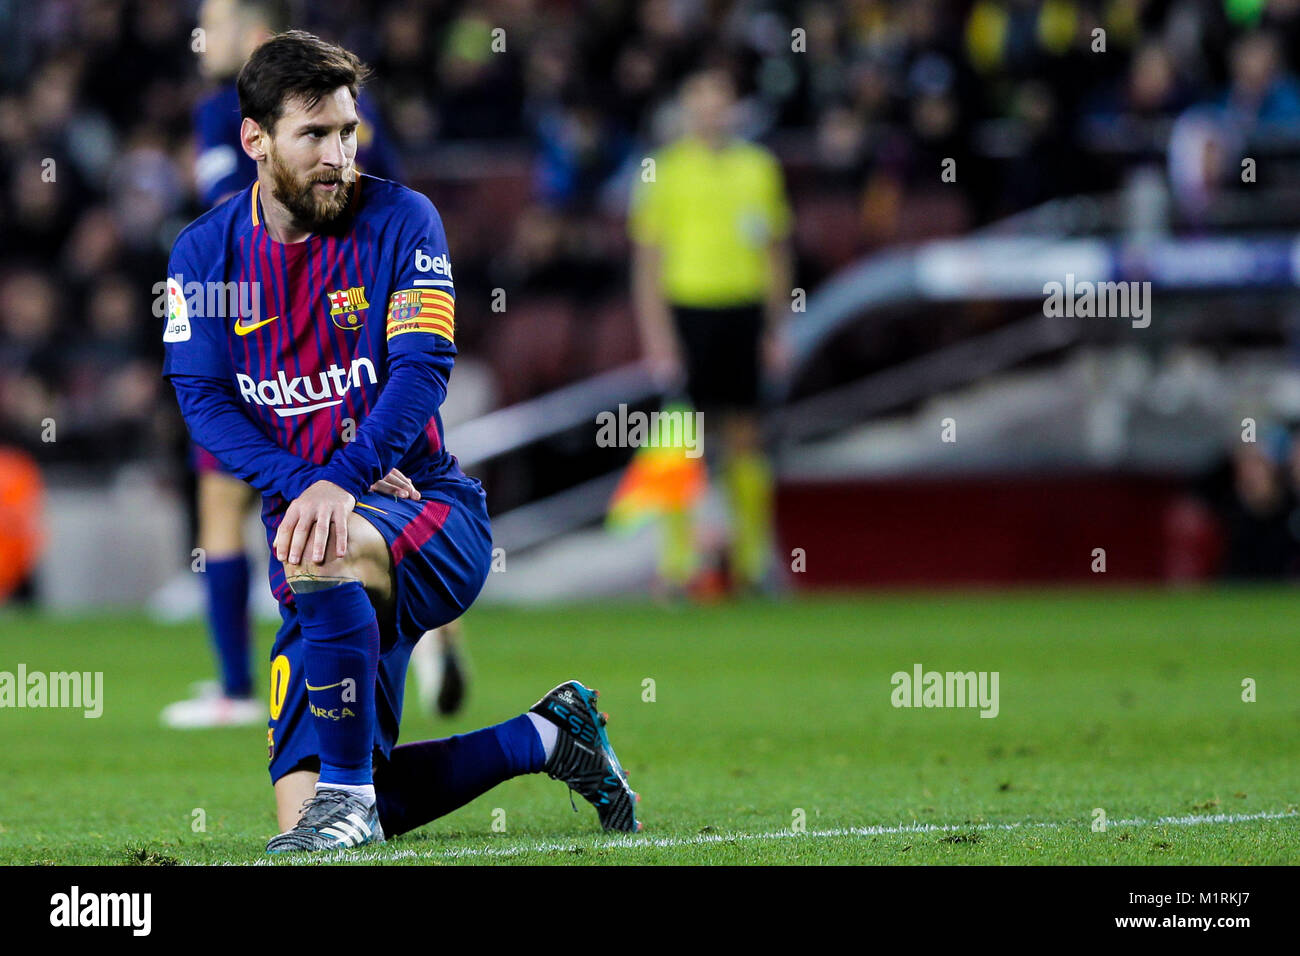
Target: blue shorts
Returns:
[441, 548]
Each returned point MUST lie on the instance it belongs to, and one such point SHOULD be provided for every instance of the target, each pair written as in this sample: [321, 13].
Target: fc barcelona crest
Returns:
[404, 305]
[347, 307]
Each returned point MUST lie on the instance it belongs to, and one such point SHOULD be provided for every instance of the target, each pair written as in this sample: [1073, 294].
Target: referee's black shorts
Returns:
[721, 352]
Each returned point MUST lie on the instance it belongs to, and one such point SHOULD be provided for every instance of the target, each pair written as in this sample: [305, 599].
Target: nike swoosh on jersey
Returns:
[326, 687]
[245, 329]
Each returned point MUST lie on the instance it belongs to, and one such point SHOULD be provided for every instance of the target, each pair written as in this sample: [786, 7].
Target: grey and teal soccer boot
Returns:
[331, 820]
[583, 757]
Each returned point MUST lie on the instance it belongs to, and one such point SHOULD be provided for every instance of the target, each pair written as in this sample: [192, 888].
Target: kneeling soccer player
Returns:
[332, 414]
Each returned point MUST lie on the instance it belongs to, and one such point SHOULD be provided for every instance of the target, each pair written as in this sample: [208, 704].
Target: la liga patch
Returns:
[178, 319]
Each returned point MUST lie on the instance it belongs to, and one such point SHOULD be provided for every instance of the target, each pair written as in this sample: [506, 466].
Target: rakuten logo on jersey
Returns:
[439, 265]
[303, 393]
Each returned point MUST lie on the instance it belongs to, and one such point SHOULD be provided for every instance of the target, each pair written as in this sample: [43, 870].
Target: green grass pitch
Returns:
[763, 714]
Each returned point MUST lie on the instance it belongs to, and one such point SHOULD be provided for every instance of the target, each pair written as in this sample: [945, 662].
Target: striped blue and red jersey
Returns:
[325, 359]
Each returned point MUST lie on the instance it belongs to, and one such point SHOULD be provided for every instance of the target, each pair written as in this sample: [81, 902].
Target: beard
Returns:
[311, 211]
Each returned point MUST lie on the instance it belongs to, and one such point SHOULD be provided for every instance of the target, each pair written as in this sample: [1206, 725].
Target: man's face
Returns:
[311, 159]
[708, 102]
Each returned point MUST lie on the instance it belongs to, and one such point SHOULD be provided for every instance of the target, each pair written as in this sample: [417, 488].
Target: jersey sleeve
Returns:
[420, 328]
[421, 311]
[217, 423]
[192, 343]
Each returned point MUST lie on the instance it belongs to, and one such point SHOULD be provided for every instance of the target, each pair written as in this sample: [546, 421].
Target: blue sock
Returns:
[341, 659]
[227, 583]
[426, 780]
[521, 745]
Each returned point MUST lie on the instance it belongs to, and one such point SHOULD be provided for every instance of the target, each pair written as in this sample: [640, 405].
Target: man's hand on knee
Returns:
[310, 517]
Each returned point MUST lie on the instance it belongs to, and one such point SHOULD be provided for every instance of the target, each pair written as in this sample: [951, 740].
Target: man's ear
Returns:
[254, 139]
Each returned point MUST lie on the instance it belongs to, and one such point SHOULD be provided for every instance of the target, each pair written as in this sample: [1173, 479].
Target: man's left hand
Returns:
[321, 505]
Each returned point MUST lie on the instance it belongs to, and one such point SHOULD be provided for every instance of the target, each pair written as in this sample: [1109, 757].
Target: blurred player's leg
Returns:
[439, 663]
[223, 500]
[679, 558]
[454, 683]
[721, 352]
[747, 480]
[426, 663]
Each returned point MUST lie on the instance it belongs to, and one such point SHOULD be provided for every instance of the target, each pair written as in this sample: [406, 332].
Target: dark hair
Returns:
[295, 64]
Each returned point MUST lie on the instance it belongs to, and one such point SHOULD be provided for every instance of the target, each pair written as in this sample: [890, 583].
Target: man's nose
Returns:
[333, 153]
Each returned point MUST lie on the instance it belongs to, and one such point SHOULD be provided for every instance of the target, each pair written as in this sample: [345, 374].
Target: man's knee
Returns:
[365, 561]
[307, 577]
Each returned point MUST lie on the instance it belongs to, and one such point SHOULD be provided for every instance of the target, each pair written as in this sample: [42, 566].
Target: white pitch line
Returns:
[706, 839]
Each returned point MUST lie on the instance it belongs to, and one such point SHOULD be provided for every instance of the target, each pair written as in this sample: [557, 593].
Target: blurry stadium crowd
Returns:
[530, 151]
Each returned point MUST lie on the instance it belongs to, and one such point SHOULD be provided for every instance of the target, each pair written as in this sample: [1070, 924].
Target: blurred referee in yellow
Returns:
[711, 278]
